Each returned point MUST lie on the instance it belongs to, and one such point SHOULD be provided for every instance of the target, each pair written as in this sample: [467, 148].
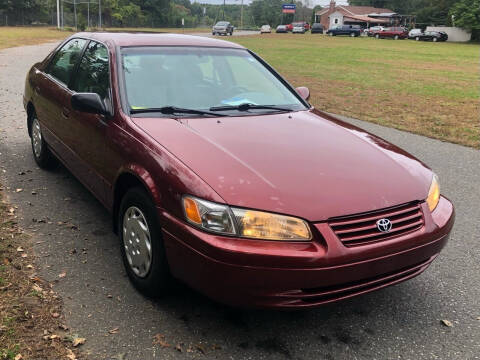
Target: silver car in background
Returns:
[222, 28]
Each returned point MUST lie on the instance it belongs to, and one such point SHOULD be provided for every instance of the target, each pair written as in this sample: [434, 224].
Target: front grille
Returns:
[362, 229]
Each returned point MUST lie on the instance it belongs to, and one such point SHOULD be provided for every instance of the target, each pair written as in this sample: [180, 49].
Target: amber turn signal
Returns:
[433, 194]
[191, 210]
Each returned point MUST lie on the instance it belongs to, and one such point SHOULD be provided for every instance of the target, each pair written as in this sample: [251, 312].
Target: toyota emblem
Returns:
[384, 225]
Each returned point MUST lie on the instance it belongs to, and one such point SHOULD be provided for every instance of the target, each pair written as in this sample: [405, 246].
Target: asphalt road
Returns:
[400, 322]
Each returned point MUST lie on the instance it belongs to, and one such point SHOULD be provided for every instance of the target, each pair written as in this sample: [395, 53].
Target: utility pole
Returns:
[88, 14]
[75, 12]
[241, 16]
[99, 14]
[223, 9]
[58, 14]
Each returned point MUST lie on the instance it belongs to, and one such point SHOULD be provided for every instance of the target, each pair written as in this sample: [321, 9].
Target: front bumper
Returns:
[251, 273]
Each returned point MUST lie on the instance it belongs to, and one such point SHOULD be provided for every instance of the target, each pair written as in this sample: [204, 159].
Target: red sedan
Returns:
[218, 173]
[392, 33]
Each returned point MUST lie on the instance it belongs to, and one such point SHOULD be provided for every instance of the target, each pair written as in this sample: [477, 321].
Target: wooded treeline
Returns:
[169, 13]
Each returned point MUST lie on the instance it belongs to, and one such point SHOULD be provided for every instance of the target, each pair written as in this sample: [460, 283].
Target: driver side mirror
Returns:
[89, 103]
[303, 92]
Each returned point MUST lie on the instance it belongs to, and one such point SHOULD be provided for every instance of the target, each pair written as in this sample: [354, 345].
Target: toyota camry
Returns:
[218, 173]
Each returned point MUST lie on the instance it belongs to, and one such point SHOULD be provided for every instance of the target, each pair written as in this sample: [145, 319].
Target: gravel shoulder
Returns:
[72, 235]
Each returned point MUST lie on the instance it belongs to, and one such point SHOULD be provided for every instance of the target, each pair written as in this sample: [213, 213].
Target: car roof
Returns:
[156, 39]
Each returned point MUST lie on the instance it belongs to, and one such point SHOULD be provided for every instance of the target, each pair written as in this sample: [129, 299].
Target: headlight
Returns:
[244, 223]
[433, 194]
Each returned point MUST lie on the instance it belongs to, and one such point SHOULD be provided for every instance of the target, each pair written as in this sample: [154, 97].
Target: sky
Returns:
[312, 2]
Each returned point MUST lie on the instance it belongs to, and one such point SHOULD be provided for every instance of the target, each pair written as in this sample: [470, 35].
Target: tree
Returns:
[466, 14]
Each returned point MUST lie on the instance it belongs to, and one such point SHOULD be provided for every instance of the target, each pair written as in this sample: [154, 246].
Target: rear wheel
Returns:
[395, 37]
[352, 34]
[41, 153]
[435, 39]
[142, 247]
[331, 34]
[417, 38]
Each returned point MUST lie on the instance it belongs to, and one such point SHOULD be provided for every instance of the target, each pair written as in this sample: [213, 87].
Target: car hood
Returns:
[306, 163]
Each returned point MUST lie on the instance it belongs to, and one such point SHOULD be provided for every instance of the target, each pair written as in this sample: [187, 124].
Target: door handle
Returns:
[65, 113]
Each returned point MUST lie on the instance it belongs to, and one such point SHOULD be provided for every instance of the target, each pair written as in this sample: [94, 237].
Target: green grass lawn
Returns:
[432, 89]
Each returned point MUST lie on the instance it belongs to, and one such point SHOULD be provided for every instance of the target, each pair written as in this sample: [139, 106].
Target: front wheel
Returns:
[331, 34]
[435, 39]
[395, 37]
[352, 34]
[377, 36]
[142, 247]
[417, 39]
[41, 153]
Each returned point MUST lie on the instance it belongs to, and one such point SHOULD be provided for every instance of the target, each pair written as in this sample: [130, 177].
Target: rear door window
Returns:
[63, 63]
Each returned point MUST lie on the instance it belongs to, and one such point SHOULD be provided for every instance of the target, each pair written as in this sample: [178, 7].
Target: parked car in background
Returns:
[289, 27]
[139, 120]
[222, 28]
[373, 30]
[281, 29]
[350, 30]
[306, 25]
[414, 32]
[265, 29]
[432, 36]
[317, 28]
[298, 29]
[392, 33]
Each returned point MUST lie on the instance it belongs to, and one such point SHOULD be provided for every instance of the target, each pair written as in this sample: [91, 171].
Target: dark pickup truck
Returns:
[350, 30]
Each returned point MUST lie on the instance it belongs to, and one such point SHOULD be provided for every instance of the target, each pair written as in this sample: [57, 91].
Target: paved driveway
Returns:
[400, 322]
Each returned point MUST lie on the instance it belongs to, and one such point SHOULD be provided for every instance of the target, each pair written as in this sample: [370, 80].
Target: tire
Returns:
[417, 38]
[331, 34]
[41, 153]
[435, 39]
[137, 220]
[377, 36]
[395, 37]
[352, 35]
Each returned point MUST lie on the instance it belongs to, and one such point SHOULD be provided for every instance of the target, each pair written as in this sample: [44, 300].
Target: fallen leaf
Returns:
[34, 192]
[447, 323]
[24, 255]
[70, 354]
[11, 210]
[55, 315]
[20, 249]
[159, 339]
[62, 275]
[37, 288]
[18, 190]
[53, 337]
[29, 266]
[113, 331]
[178, 347]
[18, 357]
[201, 348]
[78, 341]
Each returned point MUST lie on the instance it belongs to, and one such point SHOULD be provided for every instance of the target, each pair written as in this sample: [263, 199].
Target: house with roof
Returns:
[364, 16]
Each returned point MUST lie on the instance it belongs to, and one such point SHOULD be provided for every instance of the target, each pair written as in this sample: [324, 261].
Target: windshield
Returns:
[222, 23]
[201, 78]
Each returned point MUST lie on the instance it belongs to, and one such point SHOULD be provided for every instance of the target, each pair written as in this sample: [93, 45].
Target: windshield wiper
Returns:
[248, 106]
[170, 110]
